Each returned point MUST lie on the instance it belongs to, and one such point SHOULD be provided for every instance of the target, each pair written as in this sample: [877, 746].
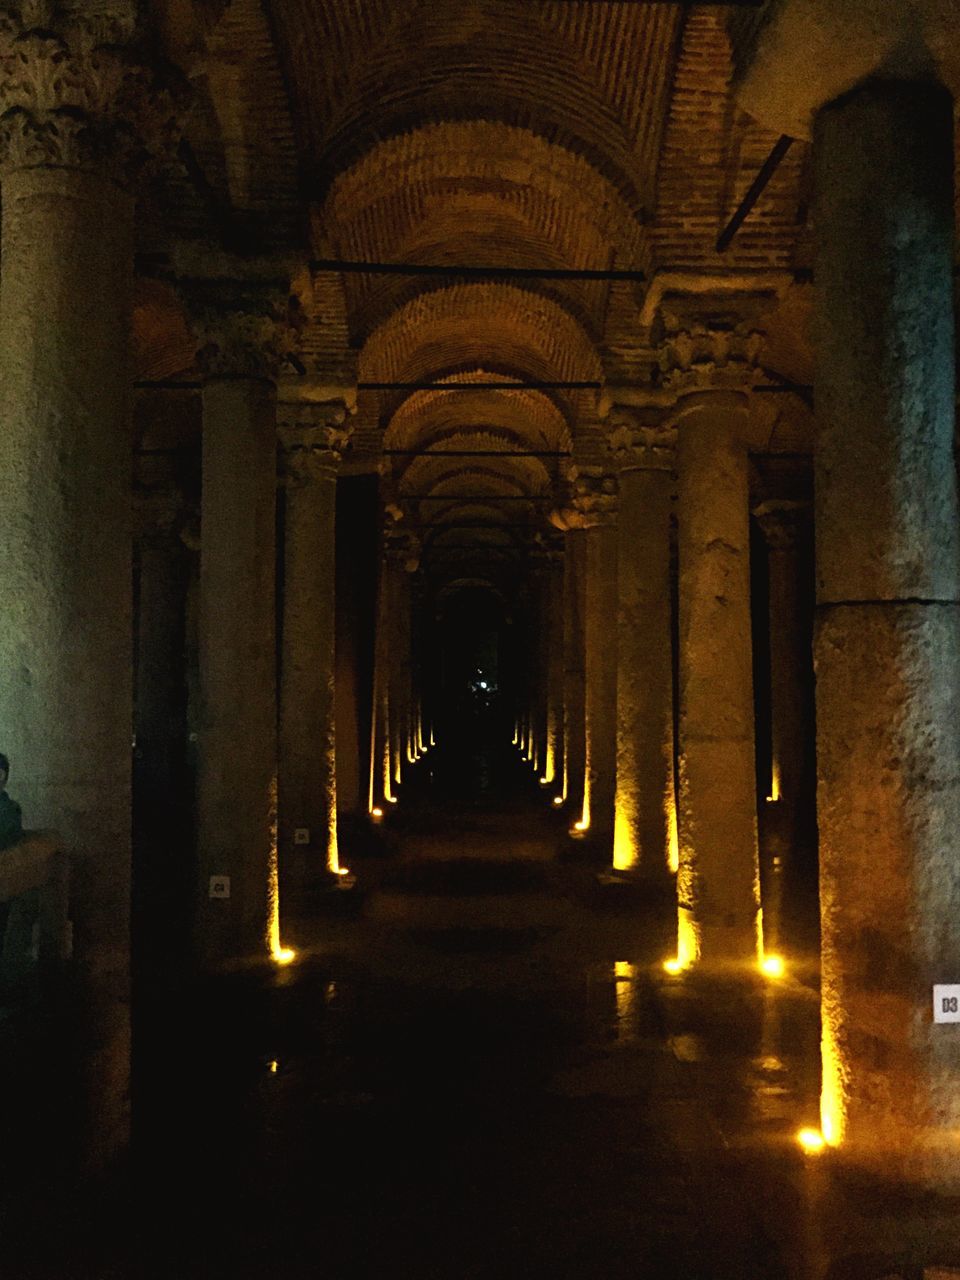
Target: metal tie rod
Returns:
[479, 386]
[348, 267]
[476, 453]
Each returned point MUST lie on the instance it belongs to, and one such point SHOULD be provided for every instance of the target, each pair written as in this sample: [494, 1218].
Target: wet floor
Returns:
[477, 1068]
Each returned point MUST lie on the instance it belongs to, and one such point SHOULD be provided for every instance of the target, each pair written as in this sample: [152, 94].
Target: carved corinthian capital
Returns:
[312, 440]
[638, 441]
[591, 500]
[74, 94]
[243, 329]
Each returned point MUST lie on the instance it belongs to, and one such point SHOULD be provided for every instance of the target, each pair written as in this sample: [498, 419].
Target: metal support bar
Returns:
[473, 497]
[768, 169]
[476, 453]
[347, 267]
[479, 386]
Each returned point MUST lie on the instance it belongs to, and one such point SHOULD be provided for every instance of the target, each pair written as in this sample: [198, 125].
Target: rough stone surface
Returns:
[887, 637]
[644, 770]
[311, 440]
[236, 785]
[718, 880]
[65, 647]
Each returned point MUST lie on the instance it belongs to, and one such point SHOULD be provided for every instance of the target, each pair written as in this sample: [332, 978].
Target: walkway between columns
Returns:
[477, 1069]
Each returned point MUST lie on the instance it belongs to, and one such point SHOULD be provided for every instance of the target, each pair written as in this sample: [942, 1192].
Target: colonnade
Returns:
[887, 557]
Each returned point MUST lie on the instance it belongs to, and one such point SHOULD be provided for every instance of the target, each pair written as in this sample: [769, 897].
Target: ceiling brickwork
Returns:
[548, 134]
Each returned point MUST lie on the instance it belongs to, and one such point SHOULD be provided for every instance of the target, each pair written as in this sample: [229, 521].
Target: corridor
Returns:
[477, 1067]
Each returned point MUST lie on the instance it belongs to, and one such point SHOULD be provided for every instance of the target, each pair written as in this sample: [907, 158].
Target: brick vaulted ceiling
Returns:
[521, 133]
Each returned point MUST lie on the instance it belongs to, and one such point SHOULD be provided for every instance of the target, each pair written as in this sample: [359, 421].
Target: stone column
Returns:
[241, 343]
[162, 857]
[887, 636]
[645, 819]
[312, 437]
[74, 119]
[718, 887]
[595, 500]
[782, 523]
[553, 625]
[574, 733]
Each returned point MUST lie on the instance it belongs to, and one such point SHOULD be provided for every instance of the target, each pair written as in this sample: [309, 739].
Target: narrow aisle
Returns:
[477, 1068]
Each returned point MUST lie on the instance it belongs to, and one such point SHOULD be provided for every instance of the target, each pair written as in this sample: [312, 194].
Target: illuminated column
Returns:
[574, 734]
[595, 500]
[237, 757]
[381, 759]
[645, 819]
[312, 437]
[553, 624]
[783, 523]
[718, 888]
[886, 648]
[71, 113]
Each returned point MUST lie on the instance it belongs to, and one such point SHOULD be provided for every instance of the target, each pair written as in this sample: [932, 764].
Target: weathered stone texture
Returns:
[718, 879]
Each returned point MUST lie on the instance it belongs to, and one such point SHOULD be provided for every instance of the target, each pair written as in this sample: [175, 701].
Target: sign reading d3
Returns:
[946, 1002]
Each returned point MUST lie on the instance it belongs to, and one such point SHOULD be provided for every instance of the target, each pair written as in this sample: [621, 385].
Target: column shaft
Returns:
[236, 781]
[308, 781]
[66, 646]
[574, 739]
[718, 886]
[887, 638]
[600, 679]
[645, 816]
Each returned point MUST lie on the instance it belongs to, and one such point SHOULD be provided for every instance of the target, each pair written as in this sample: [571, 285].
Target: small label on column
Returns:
[219, 886]
[946, 1002]
[301, 835]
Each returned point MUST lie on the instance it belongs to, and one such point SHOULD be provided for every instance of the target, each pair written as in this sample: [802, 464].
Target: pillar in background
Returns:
[887, 639]
[312, 437]
[645, 818]
[718, 886]
[574, 733]
[783, 523]
[553, 626]
[241, 341]
[162, 862]
[77, 116]
[595, 501]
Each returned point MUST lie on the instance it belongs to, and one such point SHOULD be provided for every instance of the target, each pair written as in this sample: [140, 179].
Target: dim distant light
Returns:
[674, 966]
[274, 1066]
[376, 813]
[773, 966]
[558, 801]
[812, 1141]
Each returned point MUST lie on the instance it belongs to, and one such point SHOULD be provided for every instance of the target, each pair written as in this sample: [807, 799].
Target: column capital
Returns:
[75, 94]
[593, 498]
[639, 440]
[312, 438]
[401, 548]
[244, 328]
[781, 521]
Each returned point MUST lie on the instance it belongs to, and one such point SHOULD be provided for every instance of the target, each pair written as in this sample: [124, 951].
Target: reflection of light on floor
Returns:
[812, 1141]
[686, 1048]
[624, 974]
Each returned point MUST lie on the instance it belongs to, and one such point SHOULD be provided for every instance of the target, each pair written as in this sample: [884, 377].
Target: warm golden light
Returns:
[284, 955]
[581, 825]
[773, 966]
[557, 801]
[376, 813]
[812, 1141]
[832, 1087]
[624, 973]
[274, 1066]
[673, 835]
[624, 849]
[544, 782]
[674, 966]
[688, 938]
[343, 871]
[774, 795]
